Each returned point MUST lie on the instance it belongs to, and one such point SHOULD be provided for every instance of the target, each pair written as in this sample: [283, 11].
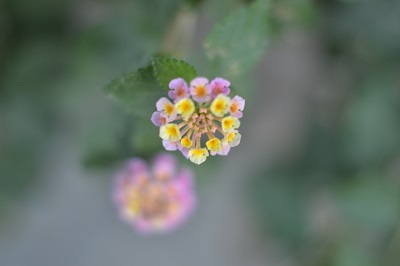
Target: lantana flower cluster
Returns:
[201, 119]
[157, 199]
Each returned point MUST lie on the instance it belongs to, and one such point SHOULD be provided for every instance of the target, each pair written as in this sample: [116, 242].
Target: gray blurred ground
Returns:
[70, 220]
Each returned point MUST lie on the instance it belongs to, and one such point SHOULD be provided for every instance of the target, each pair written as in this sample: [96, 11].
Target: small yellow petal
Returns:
[185, 107]
[233, 138]
[230, 123]
[198, 156]
[169, 109]
[220, 105]
[230, 136]
[186, 142]
[214, 145]
[170, 132]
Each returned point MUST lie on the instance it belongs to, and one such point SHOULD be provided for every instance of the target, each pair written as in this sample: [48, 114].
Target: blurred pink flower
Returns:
[157, 199]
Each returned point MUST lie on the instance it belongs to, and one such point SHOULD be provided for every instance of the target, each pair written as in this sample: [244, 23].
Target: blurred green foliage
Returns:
[136, 90]
[57, 54]
[353, 165]
[239, 41]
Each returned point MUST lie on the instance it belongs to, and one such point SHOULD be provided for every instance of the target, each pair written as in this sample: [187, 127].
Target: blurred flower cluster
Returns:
[156, 199]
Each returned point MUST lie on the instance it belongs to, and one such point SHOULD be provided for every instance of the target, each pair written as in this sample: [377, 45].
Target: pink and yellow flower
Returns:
[154, 200]
[203, 122]
[200, 90]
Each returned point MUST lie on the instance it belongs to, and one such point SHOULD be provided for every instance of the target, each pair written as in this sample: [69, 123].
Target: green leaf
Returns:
[168, 68]
[138, 91]
[238, 42]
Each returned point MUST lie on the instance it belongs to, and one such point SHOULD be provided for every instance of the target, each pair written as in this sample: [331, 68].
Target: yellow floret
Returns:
[185, 107]
[220, 106]
[214, 145]
[230, 123]
[170, 132]
[198, 156]
[186, 142]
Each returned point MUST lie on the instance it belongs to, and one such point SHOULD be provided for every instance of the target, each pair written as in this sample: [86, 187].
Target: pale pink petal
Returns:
[118, 195]
[198, 82]
[143, 226]
[225, 150]
[239, 101]
[157, 119]
[161, 104]
[237, 114]
[185, 178]
[169, 145]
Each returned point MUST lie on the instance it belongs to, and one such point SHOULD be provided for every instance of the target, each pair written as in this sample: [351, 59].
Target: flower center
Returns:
[234, 107]
[201, 91]
[169, 109]
[180, 92]
[154, 204]
[202, 121]
[217, 90]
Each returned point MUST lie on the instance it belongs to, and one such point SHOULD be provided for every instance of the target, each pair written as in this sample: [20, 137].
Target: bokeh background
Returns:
[315, 181]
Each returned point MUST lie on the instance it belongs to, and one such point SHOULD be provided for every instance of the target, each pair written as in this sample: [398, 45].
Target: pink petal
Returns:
[239, 101]
[157, 119]
[220, 85]
[137, 166]
[184, 151]
[237, 114]
[177, 83]
[164, 166]
[185, 178]
[225, 150]
[198, 82]
[201, 99]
